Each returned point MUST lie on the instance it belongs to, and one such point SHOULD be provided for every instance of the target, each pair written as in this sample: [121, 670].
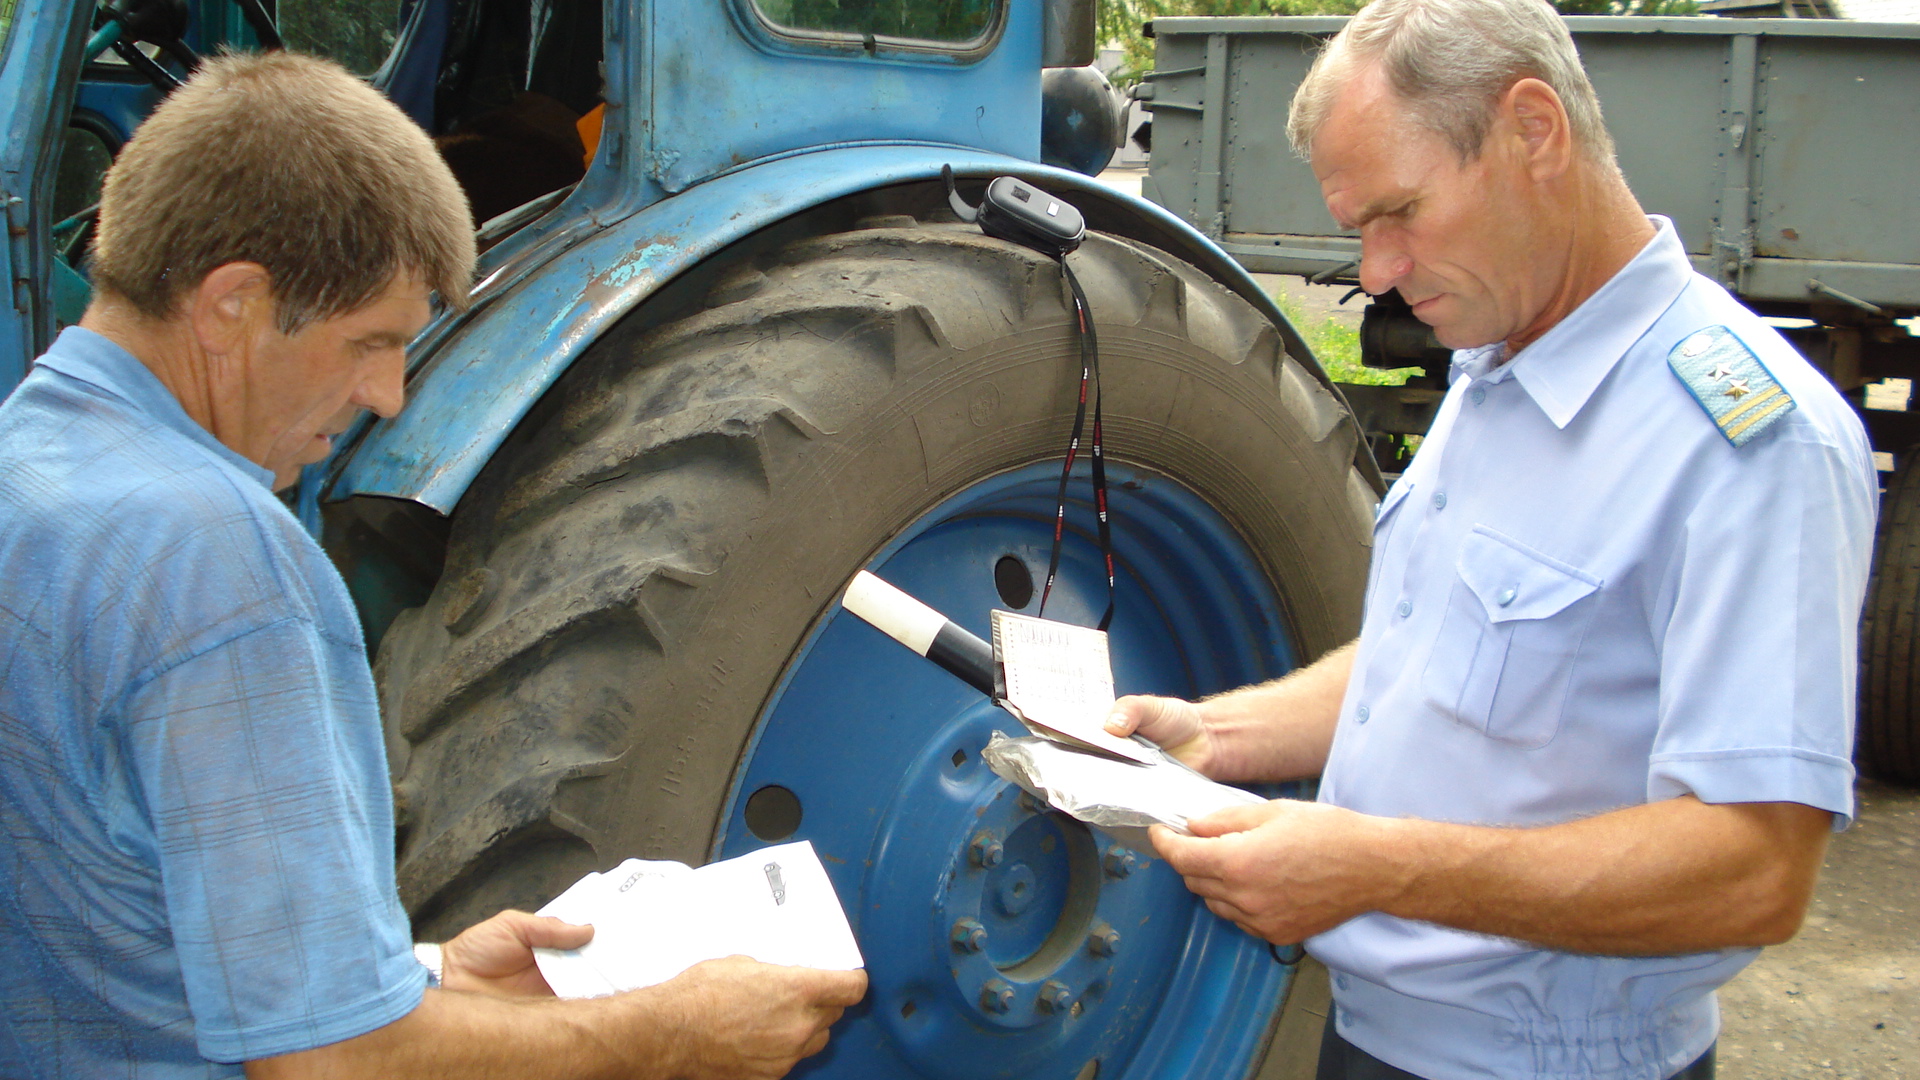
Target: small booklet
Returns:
[1058, 680]
[653, 920]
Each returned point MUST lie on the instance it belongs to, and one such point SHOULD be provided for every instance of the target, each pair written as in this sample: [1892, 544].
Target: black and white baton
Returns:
[922, 629]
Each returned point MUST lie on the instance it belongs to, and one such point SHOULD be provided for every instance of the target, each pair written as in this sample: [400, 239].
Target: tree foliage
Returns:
[1120, 20]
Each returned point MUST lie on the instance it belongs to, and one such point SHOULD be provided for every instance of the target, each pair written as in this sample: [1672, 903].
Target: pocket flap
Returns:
[1514, 581]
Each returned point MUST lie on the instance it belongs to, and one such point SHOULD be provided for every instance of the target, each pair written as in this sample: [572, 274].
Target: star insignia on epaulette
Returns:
[1729, 381]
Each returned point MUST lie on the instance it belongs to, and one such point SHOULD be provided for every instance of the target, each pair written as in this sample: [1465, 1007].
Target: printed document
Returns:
[1058, 679]
[653, 920]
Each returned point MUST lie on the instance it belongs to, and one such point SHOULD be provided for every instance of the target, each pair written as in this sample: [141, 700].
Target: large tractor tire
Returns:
[1887, 743]
[636, 649]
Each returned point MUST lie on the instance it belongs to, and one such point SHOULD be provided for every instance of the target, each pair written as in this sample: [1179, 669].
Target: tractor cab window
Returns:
[960, 27]
[6, 20]
[517, 103]
[357, 34]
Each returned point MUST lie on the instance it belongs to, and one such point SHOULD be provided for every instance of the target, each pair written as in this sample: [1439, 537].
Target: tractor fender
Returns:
[466, 398]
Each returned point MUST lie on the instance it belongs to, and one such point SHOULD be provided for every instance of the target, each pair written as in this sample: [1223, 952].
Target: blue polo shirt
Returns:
[1584, 597]
[198, 858]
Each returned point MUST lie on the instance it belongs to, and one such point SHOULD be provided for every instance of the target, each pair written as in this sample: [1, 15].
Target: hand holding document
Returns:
[1057, 678]
[654, 920]
[1120, 798]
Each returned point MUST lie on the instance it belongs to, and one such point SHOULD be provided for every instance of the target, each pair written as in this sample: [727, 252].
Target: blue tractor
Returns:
[729, 345]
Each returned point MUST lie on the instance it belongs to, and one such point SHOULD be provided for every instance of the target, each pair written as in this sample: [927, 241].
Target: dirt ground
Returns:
[1842, 1000]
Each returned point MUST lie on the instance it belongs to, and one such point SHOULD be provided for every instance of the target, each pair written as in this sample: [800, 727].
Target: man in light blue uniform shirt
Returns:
[1584, 757]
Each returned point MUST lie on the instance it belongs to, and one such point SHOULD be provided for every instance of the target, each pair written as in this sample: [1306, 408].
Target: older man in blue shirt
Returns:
[197, 873]
[1583, 760]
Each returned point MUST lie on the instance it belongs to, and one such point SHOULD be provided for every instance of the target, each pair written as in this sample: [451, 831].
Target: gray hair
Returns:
[1450, 60]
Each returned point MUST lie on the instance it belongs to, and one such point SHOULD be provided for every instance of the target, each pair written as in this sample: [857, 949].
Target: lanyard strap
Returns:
[1089, 374]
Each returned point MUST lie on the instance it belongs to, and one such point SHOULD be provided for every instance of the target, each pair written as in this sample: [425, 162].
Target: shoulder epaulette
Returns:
[1730, 382]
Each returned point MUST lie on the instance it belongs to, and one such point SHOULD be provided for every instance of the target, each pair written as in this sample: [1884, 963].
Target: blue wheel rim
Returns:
[1093, 961]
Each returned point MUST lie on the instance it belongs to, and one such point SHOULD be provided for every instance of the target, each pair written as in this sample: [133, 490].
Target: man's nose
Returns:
[385, 388]
[1381, 267]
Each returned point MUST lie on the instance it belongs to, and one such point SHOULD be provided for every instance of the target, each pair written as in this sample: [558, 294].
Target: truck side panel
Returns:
[1838, 160]
[1767, 141]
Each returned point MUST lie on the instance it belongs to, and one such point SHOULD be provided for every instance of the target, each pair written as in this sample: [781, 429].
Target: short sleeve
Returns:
[261, 765]
[1758, 661]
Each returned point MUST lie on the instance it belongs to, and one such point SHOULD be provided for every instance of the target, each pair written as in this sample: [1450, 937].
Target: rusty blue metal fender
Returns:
[482, 375]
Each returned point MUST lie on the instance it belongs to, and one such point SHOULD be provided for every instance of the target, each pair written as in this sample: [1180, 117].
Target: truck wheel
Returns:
[1888, 739]
[636, 650]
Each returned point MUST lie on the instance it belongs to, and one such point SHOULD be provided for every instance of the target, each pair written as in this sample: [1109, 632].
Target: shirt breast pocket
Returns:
[1512, 631]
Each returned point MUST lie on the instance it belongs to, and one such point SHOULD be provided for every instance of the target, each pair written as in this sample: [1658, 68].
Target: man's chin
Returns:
[287, 473]
[1462, 337]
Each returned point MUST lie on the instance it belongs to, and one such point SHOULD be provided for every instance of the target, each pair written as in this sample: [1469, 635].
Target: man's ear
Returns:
[231, 306]
[1540, 121]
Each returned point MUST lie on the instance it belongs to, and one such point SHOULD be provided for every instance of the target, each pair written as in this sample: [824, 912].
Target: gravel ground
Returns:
[1841, 1000]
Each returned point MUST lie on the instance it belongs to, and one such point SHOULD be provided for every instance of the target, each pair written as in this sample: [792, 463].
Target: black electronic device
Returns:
[1016, 211]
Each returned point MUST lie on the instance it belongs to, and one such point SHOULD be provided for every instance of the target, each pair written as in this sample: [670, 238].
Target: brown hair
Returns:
[287, 161]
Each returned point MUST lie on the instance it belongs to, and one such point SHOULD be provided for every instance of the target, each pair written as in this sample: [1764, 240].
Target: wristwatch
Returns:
[431, 959]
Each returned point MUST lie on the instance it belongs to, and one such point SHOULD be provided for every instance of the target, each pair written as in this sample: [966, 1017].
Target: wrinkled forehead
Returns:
[1366, 117]
[1370, 157]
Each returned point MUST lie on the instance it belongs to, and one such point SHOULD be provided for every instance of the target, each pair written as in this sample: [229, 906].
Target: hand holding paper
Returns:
[1120, 798]
[1057, 678]
[654, 920]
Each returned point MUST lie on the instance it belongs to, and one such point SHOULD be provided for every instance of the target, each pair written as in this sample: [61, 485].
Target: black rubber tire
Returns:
[626, 582]
[1887, 740]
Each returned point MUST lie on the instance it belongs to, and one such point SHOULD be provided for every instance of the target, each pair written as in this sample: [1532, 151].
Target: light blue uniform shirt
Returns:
[197, 865]
[1583, 597]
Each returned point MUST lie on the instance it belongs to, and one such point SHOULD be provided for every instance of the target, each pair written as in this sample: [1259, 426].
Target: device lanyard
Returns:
[1089, 374]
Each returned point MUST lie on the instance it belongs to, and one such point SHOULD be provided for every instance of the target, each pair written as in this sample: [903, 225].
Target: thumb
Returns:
[1128, 712]
[1233, 819]
[547, 932]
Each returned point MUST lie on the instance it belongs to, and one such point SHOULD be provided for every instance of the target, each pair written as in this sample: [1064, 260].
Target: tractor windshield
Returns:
[947, 22]
[6, 20]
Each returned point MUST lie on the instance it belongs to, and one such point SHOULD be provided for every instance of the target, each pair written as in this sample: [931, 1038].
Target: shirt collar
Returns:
[1561, 370]
[81, 354]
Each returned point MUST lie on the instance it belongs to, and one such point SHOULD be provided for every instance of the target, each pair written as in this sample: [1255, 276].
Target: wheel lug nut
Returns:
[969, 936]
[1119, 862]
[1055, 996]
[1104, 941]
[996, 996]
[1030, 804]
[986, 850]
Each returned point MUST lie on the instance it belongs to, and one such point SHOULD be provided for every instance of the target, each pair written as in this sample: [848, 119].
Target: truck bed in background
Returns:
[1784, 150]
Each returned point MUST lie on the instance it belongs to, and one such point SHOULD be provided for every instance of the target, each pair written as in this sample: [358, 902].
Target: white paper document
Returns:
[653, 920]
[1058, 680]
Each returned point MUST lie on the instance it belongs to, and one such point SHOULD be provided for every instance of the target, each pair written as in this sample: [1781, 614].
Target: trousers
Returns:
[1341, 1060]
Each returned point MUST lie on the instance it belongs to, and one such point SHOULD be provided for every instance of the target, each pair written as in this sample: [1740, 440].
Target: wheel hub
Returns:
[1035, 911]
[1003, 939]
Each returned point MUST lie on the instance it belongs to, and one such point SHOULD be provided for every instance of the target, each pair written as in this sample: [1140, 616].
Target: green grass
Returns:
[1337, 347]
